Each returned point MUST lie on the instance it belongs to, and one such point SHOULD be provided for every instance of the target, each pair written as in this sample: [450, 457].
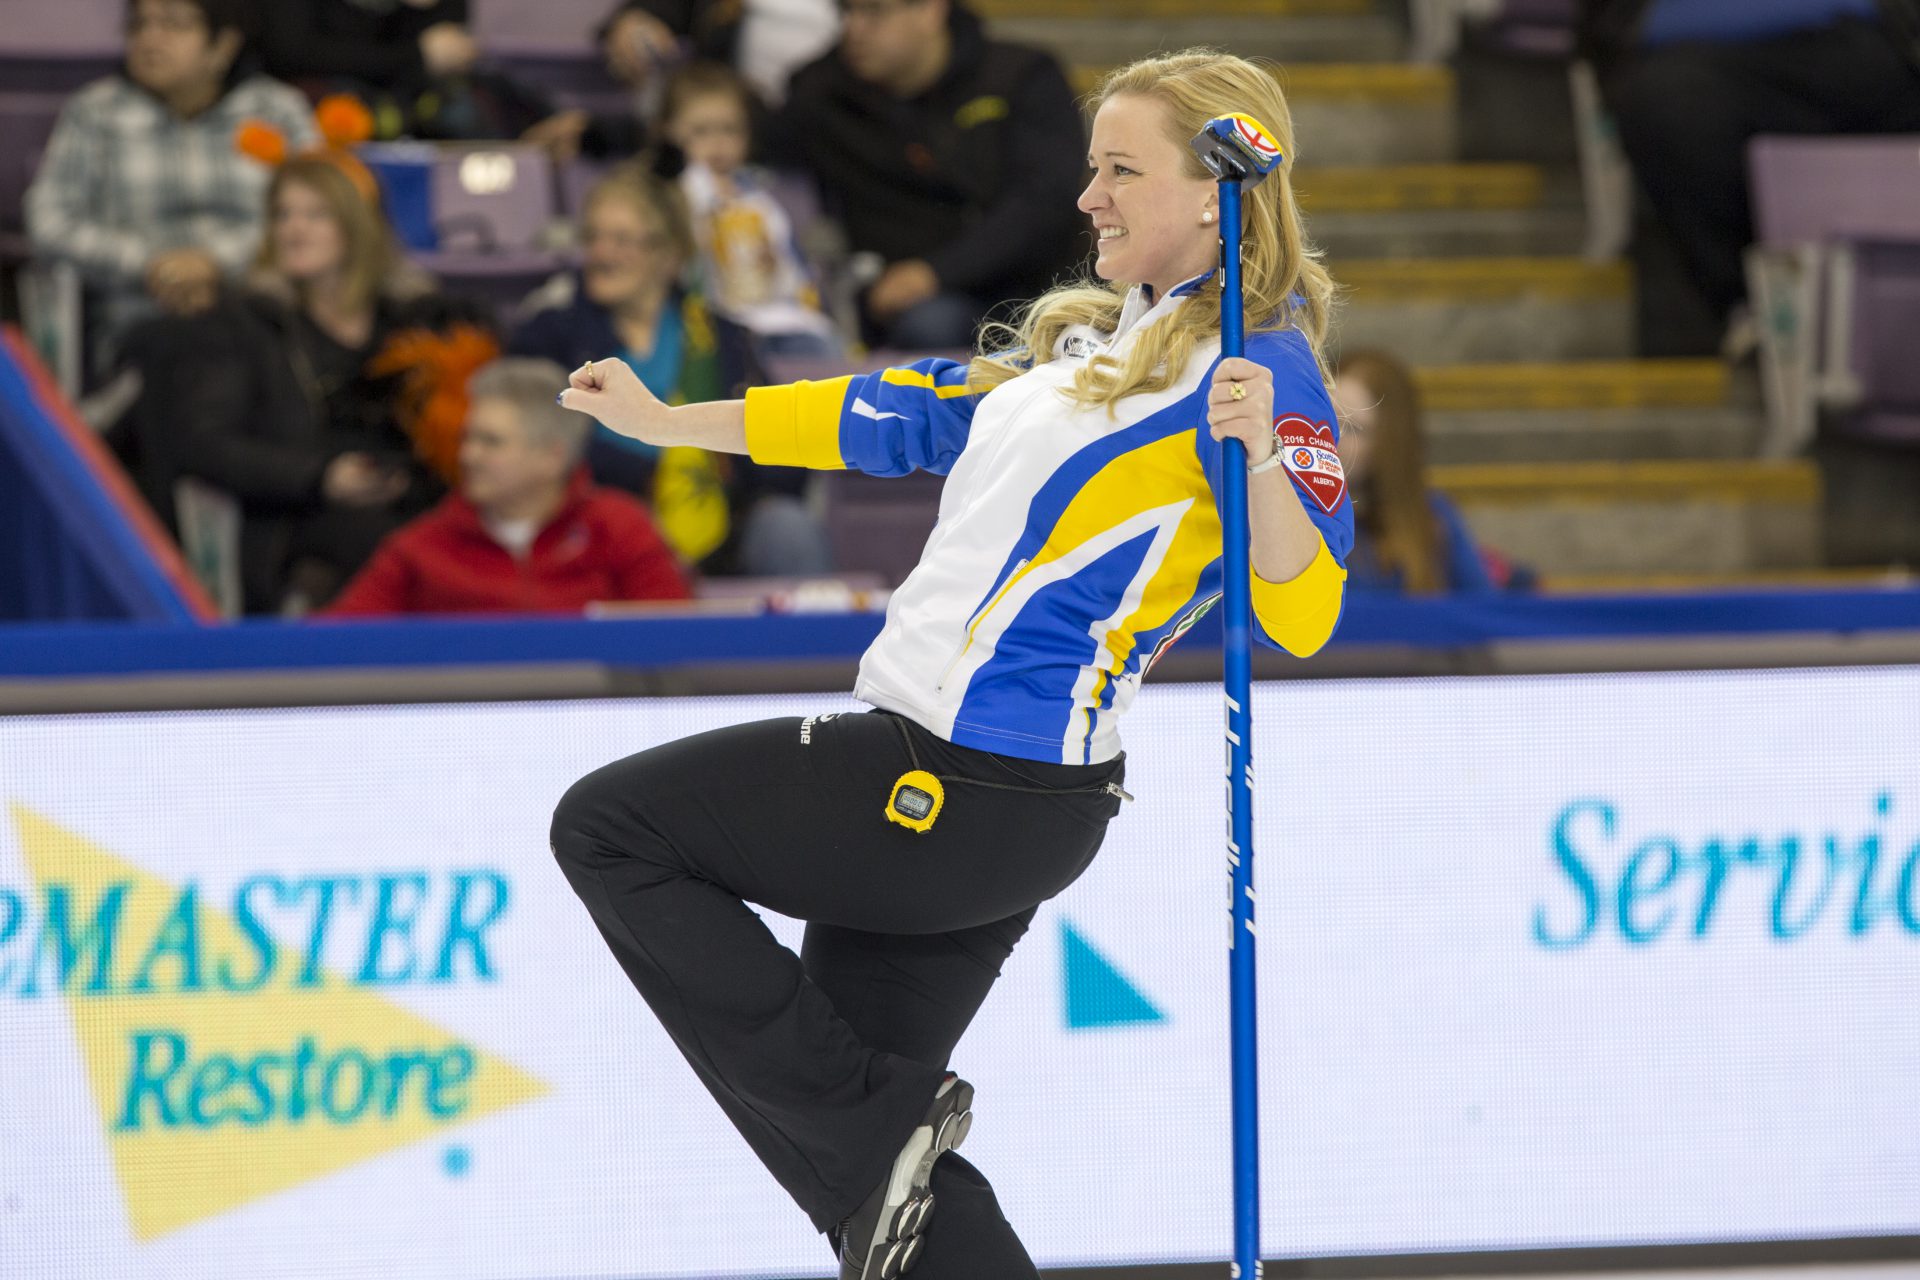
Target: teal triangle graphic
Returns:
[1098, 995]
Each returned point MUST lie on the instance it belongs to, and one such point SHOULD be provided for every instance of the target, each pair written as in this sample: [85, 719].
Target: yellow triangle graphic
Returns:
[215, 1097]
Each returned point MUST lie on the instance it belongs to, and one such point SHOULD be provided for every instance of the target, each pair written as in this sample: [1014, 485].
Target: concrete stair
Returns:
[1372, 113]
[1441, 210]
[1456, 310]
[1585, 411]
[1420, 188]
[1695, 517]
[1353, 113]
[1103, 33]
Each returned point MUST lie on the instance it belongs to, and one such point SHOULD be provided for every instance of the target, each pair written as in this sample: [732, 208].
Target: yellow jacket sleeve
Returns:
[1299, 615]
[797, 425]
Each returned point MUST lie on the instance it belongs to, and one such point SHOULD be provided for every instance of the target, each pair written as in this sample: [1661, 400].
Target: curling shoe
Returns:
[884, 1237]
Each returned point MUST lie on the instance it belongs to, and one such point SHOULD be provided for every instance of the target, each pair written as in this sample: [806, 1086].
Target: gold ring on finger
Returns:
[590, 377]
[1237, 391]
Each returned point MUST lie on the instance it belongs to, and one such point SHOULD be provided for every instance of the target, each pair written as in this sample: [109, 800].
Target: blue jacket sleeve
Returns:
[1298, 616]
[1466, 571]
[885, 424]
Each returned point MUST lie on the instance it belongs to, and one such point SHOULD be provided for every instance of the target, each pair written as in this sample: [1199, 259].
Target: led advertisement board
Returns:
[1545, 962]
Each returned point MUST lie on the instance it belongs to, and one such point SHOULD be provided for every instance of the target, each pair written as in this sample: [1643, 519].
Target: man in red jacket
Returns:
[527, 532]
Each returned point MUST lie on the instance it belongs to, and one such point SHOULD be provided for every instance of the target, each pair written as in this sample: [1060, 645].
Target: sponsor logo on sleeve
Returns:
[1306, 448]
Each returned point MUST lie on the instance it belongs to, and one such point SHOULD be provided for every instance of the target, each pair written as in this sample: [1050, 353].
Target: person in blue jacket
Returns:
[1408, 536]
[1079, 536]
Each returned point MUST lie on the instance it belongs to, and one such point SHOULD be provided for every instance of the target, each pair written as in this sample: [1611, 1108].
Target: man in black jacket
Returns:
[393, 46]
[1689, 82]
[954, 158]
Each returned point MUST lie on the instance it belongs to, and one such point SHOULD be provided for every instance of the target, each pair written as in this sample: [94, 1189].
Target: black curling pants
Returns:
[826, 1061]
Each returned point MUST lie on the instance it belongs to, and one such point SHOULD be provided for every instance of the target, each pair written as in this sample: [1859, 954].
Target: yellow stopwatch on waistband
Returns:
[916, 800]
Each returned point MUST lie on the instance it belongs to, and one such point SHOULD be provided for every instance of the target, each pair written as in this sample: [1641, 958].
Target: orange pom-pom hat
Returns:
[343, 121]
[433, 405]
[258, 140]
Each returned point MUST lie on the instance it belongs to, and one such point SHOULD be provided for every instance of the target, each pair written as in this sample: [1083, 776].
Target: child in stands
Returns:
[754, 272]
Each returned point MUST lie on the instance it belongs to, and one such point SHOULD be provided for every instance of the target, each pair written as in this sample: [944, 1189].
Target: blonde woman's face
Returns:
[1146, 207]
[626, 254]
[308, 243]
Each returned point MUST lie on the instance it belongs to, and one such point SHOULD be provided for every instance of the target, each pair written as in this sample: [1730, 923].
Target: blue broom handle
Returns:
[1238, 602]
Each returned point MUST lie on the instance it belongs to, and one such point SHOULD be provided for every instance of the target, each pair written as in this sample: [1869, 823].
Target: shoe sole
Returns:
[901, 1232]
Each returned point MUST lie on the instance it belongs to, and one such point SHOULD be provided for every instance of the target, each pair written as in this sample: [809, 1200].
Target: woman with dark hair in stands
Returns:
[142, 187]
[1407, 536]
[629, 301]
[268, 396]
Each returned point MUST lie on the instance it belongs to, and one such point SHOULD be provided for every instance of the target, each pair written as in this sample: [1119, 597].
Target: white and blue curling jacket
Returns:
[1073, 546]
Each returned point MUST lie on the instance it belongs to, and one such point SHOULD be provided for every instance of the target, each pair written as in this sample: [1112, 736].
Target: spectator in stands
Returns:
[527, 531]
[765, 40]
[627, 303]
[952, 158]
[645, 41]
[142, 187]
[415, 61]
[752, 268]
[1407, 536]
[268, 397]
[1689, 82]
[399, 46]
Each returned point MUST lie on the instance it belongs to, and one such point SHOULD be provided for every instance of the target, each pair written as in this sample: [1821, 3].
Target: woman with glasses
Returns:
[628, 303]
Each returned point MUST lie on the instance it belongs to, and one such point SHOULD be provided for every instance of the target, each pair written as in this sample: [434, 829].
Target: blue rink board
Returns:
[101, 649]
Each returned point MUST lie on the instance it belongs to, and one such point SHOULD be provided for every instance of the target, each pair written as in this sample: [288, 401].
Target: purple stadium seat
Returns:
[53, 73]
[477, 216]
[1535, 28]
[1835, 281]
[501, 280]
[577, 179]
[26, 121]
[63, 28]
[491, 198]
[875, 524]
[1529, 28]
[550, 27]
[55, 46]
[878, 525]
[1886, 325]
[1810, 190]
[572, 77]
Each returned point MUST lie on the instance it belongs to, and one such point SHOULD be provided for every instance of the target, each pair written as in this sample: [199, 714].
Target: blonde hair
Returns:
[655, 197]
[1283, 282]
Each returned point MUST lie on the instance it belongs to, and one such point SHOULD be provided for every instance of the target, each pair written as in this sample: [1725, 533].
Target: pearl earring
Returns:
[1207, 216]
